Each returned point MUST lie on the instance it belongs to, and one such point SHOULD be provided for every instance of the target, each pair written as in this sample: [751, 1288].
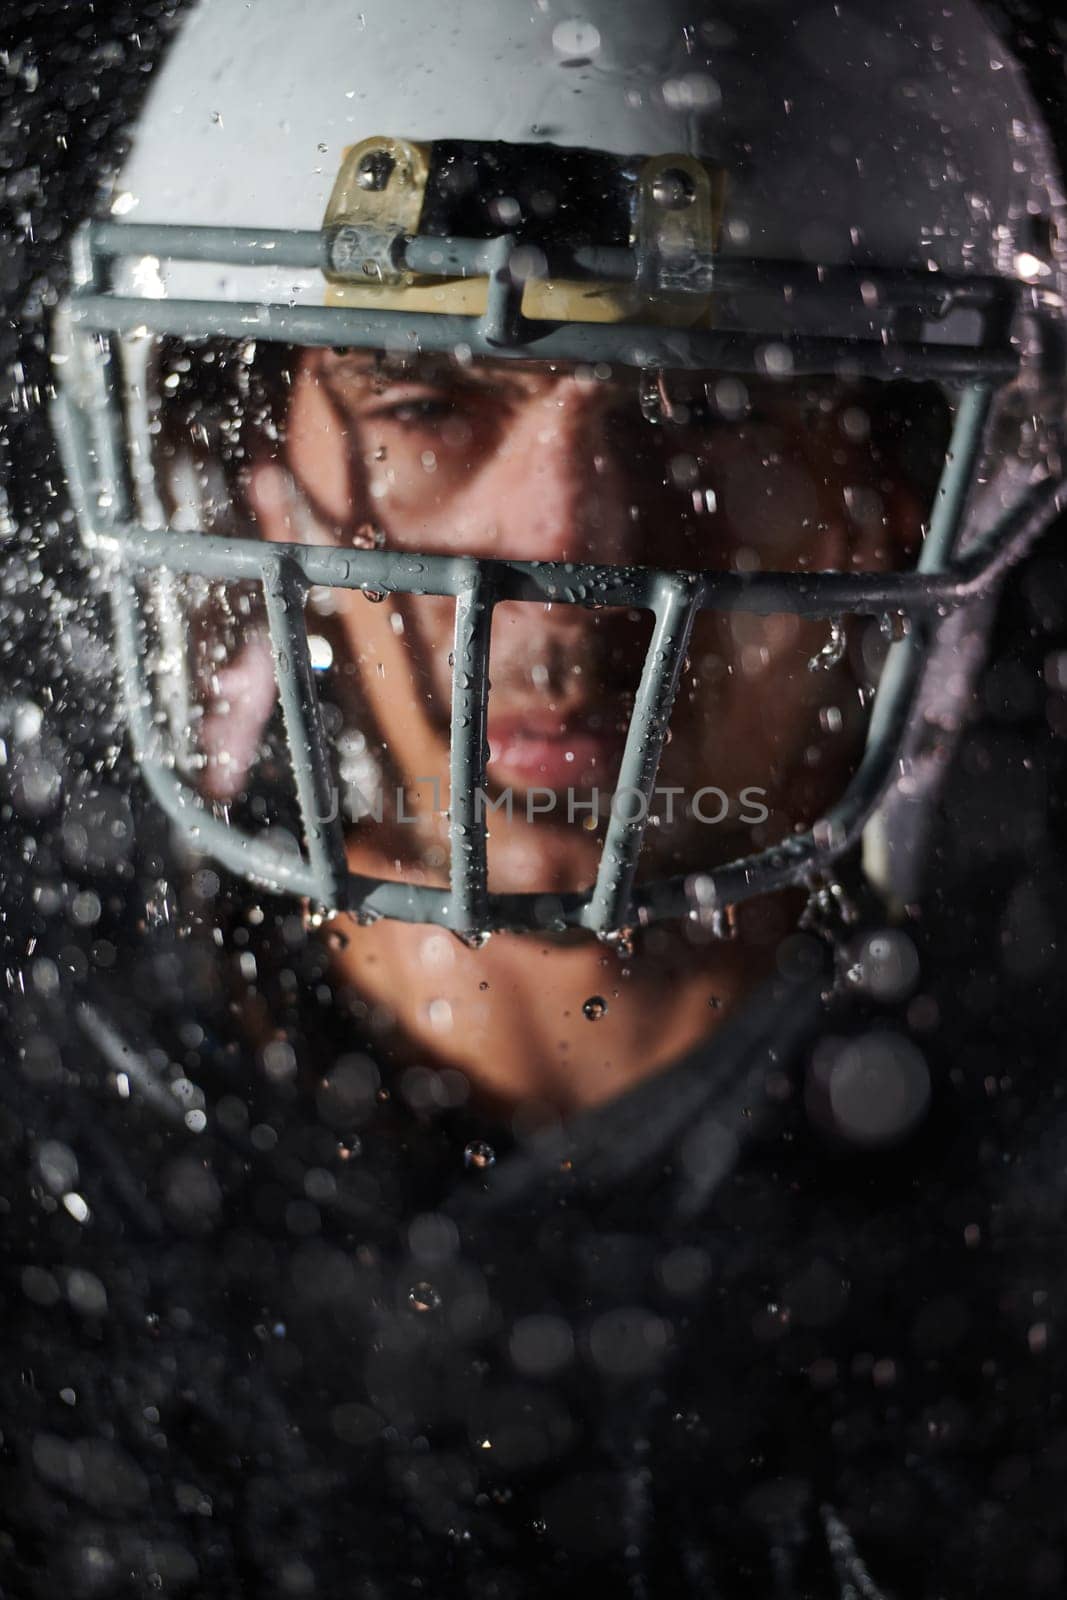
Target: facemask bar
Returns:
[899, 323]
[90, 426]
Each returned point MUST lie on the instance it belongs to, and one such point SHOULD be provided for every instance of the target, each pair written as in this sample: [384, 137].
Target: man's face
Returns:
[532, 462]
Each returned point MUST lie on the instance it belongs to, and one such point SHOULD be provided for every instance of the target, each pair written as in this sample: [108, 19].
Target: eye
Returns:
[424, 409]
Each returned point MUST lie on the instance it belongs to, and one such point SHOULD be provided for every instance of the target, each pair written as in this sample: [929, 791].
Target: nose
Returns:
[556, 488]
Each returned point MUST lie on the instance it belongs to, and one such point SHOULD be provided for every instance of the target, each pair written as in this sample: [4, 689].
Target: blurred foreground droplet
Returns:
[423, 1297]
[479, 1154]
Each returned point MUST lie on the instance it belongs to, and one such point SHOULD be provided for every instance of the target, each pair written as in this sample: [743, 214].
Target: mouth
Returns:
[548, 750]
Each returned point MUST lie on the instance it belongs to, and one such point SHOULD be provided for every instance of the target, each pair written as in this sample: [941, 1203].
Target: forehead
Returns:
[372, 370]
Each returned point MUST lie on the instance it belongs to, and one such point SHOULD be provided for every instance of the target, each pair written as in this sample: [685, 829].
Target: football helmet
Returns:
[750, 189]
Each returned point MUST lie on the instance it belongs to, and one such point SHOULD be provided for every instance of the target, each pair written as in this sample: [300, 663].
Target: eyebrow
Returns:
[438, 371]
[380, 371]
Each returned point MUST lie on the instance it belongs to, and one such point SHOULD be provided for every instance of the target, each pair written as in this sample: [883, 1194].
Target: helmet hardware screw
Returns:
[673, 189]
[375, 170]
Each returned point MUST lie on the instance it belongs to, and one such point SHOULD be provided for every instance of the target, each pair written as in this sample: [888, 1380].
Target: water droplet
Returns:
[77, 1207]
[476, 939]
[368, 536]
[650, 397]
[832, 651]
[621, 941]
[894, 625]
[317, 917]
[480, 1155]
[575, 40]
[375, 596]
[594, 1008]
[423, 1297]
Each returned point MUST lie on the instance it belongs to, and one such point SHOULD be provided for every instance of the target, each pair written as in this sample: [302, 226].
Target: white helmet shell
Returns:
[894, 134]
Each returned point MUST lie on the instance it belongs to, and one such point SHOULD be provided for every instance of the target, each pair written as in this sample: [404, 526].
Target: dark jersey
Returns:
[279, 1323]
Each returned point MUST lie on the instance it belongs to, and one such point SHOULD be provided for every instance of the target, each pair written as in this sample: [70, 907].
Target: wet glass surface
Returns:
[721, 1254]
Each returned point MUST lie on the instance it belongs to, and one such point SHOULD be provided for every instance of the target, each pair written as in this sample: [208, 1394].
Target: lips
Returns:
[542, 748]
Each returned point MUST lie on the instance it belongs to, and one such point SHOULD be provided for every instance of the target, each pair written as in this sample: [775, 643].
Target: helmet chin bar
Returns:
[92, 430]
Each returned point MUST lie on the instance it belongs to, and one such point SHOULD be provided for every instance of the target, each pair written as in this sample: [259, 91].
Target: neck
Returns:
[551, 1025]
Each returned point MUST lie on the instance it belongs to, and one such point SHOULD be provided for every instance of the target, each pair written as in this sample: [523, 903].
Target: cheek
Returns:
[419, 506]
[423, 636]
[391, 661]
[730, 648]
[736, 503]
[777, 512]
[360, 635]
[749, 686]
[318, 450]
[424, 486]
[761, 646]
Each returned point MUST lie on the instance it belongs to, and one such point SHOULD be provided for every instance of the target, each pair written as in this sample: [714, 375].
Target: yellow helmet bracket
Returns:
[679, 204]
[394, 199]
[376, 201]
